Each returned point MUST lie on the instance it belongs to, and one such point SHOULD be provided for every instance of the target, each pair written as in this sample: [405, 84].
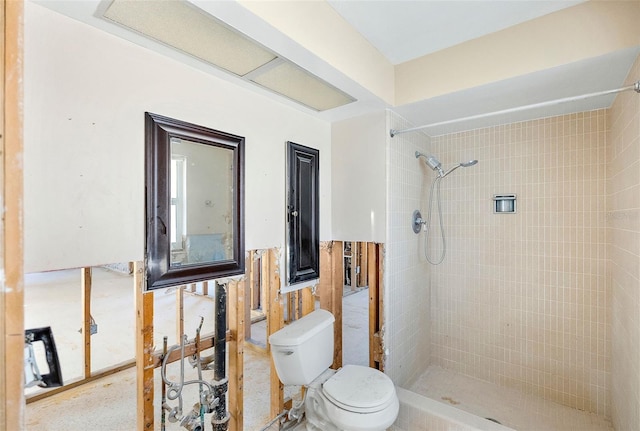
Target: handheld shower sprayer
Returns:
[418, 221]
[435, 164]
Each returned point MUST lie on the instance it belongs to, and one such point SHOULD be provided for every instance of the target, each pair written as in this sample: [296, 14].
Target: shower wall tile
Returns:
[521, 299]
[406, 281]
[623, 223]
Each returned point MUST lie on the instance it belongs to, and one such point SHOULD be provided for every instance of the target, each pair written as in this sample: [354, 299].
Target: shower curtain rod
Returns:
[635, 87]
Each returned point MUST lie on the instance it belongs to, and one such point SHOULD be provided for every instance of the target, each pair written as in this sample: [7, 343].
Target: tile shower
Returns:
[545, 300]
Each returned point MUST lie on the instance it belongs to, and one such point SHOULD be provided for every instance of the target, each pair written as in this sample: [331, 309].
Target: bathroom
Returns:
[544, 300]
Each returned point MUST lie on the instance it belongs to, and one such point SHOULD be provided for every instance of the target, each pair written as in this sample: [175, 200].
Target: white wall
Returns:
[406, 272]
[623, 251]
[85, 97]
[358, 166]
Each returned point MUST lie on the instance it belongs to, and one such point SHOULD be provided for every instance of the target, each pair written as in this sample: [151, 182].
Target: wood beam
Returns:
[375, 274]
[364, 264]
[144, 352]
[330, 290]
[70, 384]
[248, 289]
[308, 301]
[85, 281]
[274, 323]
[179, 313]
[237, 298]
[12, 404]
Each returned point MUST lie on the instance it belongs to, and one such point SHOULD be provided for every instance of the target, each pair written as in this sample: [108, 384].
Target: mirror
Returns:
[194, 203]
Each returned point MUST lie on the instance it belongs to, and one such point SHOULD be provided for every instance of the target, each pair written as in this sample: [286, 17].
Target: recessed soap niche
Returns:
[504, 204]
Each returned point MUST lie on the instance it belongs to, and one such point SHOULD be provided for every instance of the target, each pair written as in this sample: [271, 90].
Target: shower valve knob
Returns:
[417, 221]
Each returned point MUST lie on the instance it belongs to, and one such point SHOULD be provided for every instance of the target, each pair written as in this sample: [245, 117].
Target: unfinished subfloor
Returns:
[53, 299]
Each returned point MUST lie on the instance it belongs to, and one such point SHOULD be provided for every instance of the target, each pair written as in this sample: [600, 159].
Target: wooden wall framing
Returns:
[12, 403]
[330, 290]
[262, 271]
[148, 359]
[375, 258]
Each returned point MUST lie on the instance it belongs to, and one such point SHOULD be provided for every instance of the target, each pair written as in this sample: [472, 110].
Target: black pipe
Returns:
[220, 419]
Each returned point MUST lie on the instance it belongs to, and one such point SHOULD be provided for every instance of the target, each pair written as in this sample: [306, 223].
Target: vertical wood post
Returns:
[179, 313]
[364, 264]
[144, 352]
[375, 275]
[85, 277]
[257, 295]
[308, 301]
[236, 313]
[12, 404]
[248, 287]
[274, 323]
[331, 289]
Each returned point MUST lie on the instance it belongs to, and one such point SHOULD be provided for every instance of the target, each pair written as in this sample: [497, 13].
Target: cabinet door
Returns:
[303, 214]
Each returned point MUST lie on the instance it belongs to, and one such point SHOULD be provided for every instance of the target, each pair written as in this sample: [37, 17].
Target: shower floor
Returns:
[511, 407]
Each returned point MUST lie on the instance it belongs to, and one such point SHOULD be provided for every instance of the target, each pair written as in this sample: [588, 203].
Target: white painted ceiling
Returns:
[402, 30]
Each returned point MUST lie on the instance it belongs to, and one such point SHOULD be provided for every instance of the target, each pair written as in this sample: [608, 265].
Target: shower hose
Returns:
[435, 184]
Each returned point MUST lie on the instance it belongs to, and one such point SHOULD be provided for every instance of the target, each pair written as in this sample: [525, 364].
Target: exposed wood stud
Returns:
[11, 235]
[70, 384]
[248, 288]
[206, 342]
[325, 287]
[144, 352]
[380, 268]
[375, 254]
[179, 313]
[85, 276]
[337, 287]
[373, 303]
[257, 296]
[308, 301]
[330, 290]
[274, 323]
[236, 353]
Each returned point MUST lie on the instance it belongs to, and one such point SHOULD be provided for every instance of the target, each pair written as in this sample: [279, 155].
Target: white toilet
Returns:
[354, 398]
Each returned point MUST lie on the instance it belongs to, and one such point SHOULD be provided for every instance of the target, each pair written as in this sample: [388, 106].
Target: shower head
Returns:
[432, 162]
[461, 164]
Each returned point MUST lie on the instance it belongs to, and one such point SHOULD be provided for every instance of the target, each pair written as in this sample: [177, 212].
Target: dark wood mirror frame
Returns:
[159, 131]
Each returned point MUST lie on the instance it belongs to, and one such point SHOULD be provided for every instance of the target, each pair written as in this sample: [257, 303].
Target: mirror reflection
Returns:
[201, 205]
[194, 181]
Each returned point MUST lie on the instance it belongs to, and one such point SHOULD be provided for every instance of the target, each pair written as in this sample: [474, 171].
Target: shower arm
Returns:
[635, 87]
[442, 175]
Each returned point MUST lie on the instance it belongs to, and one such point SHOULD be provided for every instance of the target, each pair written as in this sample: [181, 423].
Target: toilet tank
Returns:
[303, 350]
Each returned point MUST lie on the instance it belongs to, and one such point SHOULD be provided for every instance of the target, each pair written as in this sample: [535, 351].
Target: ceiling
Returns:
[403, 30]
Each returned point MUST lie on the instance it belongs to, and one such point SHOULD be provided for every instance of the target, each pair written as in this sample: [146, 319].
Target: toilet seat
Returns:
[359, 389]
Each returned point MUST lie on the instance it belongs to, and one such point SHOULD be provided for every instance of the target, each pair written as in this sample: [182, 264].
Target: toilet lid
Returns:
[359, 389]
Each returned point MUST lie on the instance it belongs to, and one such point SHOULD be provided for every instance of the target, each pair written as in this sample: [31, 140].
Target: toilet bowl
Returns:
[353, 398]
